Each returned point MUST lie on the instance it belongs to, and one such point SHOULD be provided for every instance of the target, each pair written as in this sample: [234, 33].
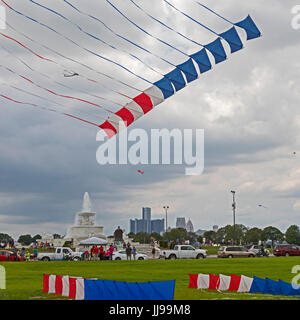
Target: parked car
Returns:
[59, 254]
[183, 252]
[286, 250]
[257, 249]
[235, 252]
[121, 255]
[6, 255]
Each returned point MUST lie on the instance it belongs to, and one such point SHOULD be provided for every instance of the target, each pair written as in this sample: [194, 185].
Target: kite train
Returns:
[140, 100]
[174, 80]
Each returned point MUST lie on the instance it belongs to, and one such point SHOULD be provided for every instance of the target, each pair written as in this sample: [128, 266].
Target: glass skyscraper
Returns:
[146, 224]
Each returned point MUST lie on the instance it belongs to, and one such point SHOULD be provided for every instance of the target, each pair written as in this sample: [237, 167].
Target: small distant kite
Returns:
[69, 74]
[140, 171]
[260, 205]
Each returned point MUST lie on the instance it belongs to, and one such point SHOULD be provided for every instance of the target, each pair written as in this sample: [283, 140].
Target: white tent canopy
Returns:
[93, 241]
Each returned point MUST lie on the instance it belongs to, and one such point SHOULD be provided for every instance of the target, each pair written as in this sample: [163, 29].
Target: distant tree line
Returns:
[239, 234]
[25, 239]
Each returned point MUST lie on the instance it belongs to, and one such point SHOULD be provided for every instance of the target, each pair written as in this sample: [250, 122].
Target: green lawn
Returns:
[24, 280]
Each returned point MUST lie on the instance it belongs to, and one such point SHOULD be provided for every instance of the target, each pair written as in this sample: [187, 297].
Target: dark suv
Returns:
[286, 250]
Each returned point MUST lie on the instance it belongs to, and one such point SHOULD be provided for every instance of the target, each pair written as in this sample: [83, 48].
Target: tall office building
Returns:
[146, 224]
[189, 226]
[157, 226]
[180, 223]
[146, 216]
[146, 213]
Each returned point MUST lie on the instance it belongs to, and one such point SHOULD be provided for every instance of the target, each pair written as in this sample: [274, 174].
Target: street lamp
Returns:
[166, 209]
[233, 209]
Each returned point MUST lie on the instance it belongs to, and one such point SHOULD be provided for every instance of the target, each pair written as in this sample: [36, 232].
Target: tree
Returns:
[5, 237]
[200, 239]
[142, 237]
[228, 233]
[209, 236]
[292, 235]
[156, 236]
[191, 237]
[25, 239]
[239, 233]
[221, 235]
[253, 235]
[36, 237]
[272, 233]
[57, 236]
[178, 234]
[131, 235]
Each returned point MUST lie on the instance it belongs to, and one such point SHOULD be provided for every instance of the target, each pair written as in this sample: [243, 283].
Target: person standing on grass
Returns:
[128, 252]
[35, 253]
[22, 253]
[101, 251]
[86, 255]
[153, 253]
[28, 256]
[96, 253]
[134, 252]
[111, 251]
[92, 253]
[15, 254]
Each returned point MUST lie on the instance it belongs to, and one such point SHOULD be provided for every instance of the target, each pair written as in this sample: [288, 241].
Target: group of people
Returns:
[24, 254]
[130, 251]
[98, 253]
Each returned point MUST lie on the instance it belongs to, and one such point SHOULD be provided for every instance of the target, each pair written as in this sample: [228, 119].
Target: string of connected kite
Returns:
[168, 85]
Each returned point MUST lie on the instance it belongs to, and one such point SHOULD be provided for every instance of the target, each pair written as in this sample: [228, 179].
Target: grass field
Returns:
[24, 280]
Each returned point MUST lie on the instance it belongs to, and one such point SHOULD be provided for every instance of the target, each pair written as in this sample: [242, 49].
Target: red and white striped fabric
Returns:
[51, 284]
[71, 287]
[234, 282]
[203, 281]
[139, 106]
[245, 284]
[65, 286]
[79, 289]
[224, 282]
[220, 282]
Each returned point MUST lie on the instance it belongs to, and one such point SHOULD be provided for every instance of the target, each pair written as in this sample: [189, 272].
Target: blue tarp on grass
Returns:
[114, 290]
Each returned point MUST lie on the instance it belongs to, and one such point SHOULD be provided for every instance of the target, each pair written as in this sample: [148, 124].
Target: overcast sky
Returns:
[247, 105]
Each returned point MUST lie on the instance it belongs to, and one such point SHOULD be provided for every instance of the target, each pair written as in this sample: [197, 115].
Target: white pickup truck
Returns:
[59, 254]
[183, 252]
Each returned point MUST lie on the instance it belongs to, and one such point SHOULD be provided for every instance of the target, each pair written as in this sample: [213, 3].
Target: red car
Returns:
[8, 256]
[286, 250]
